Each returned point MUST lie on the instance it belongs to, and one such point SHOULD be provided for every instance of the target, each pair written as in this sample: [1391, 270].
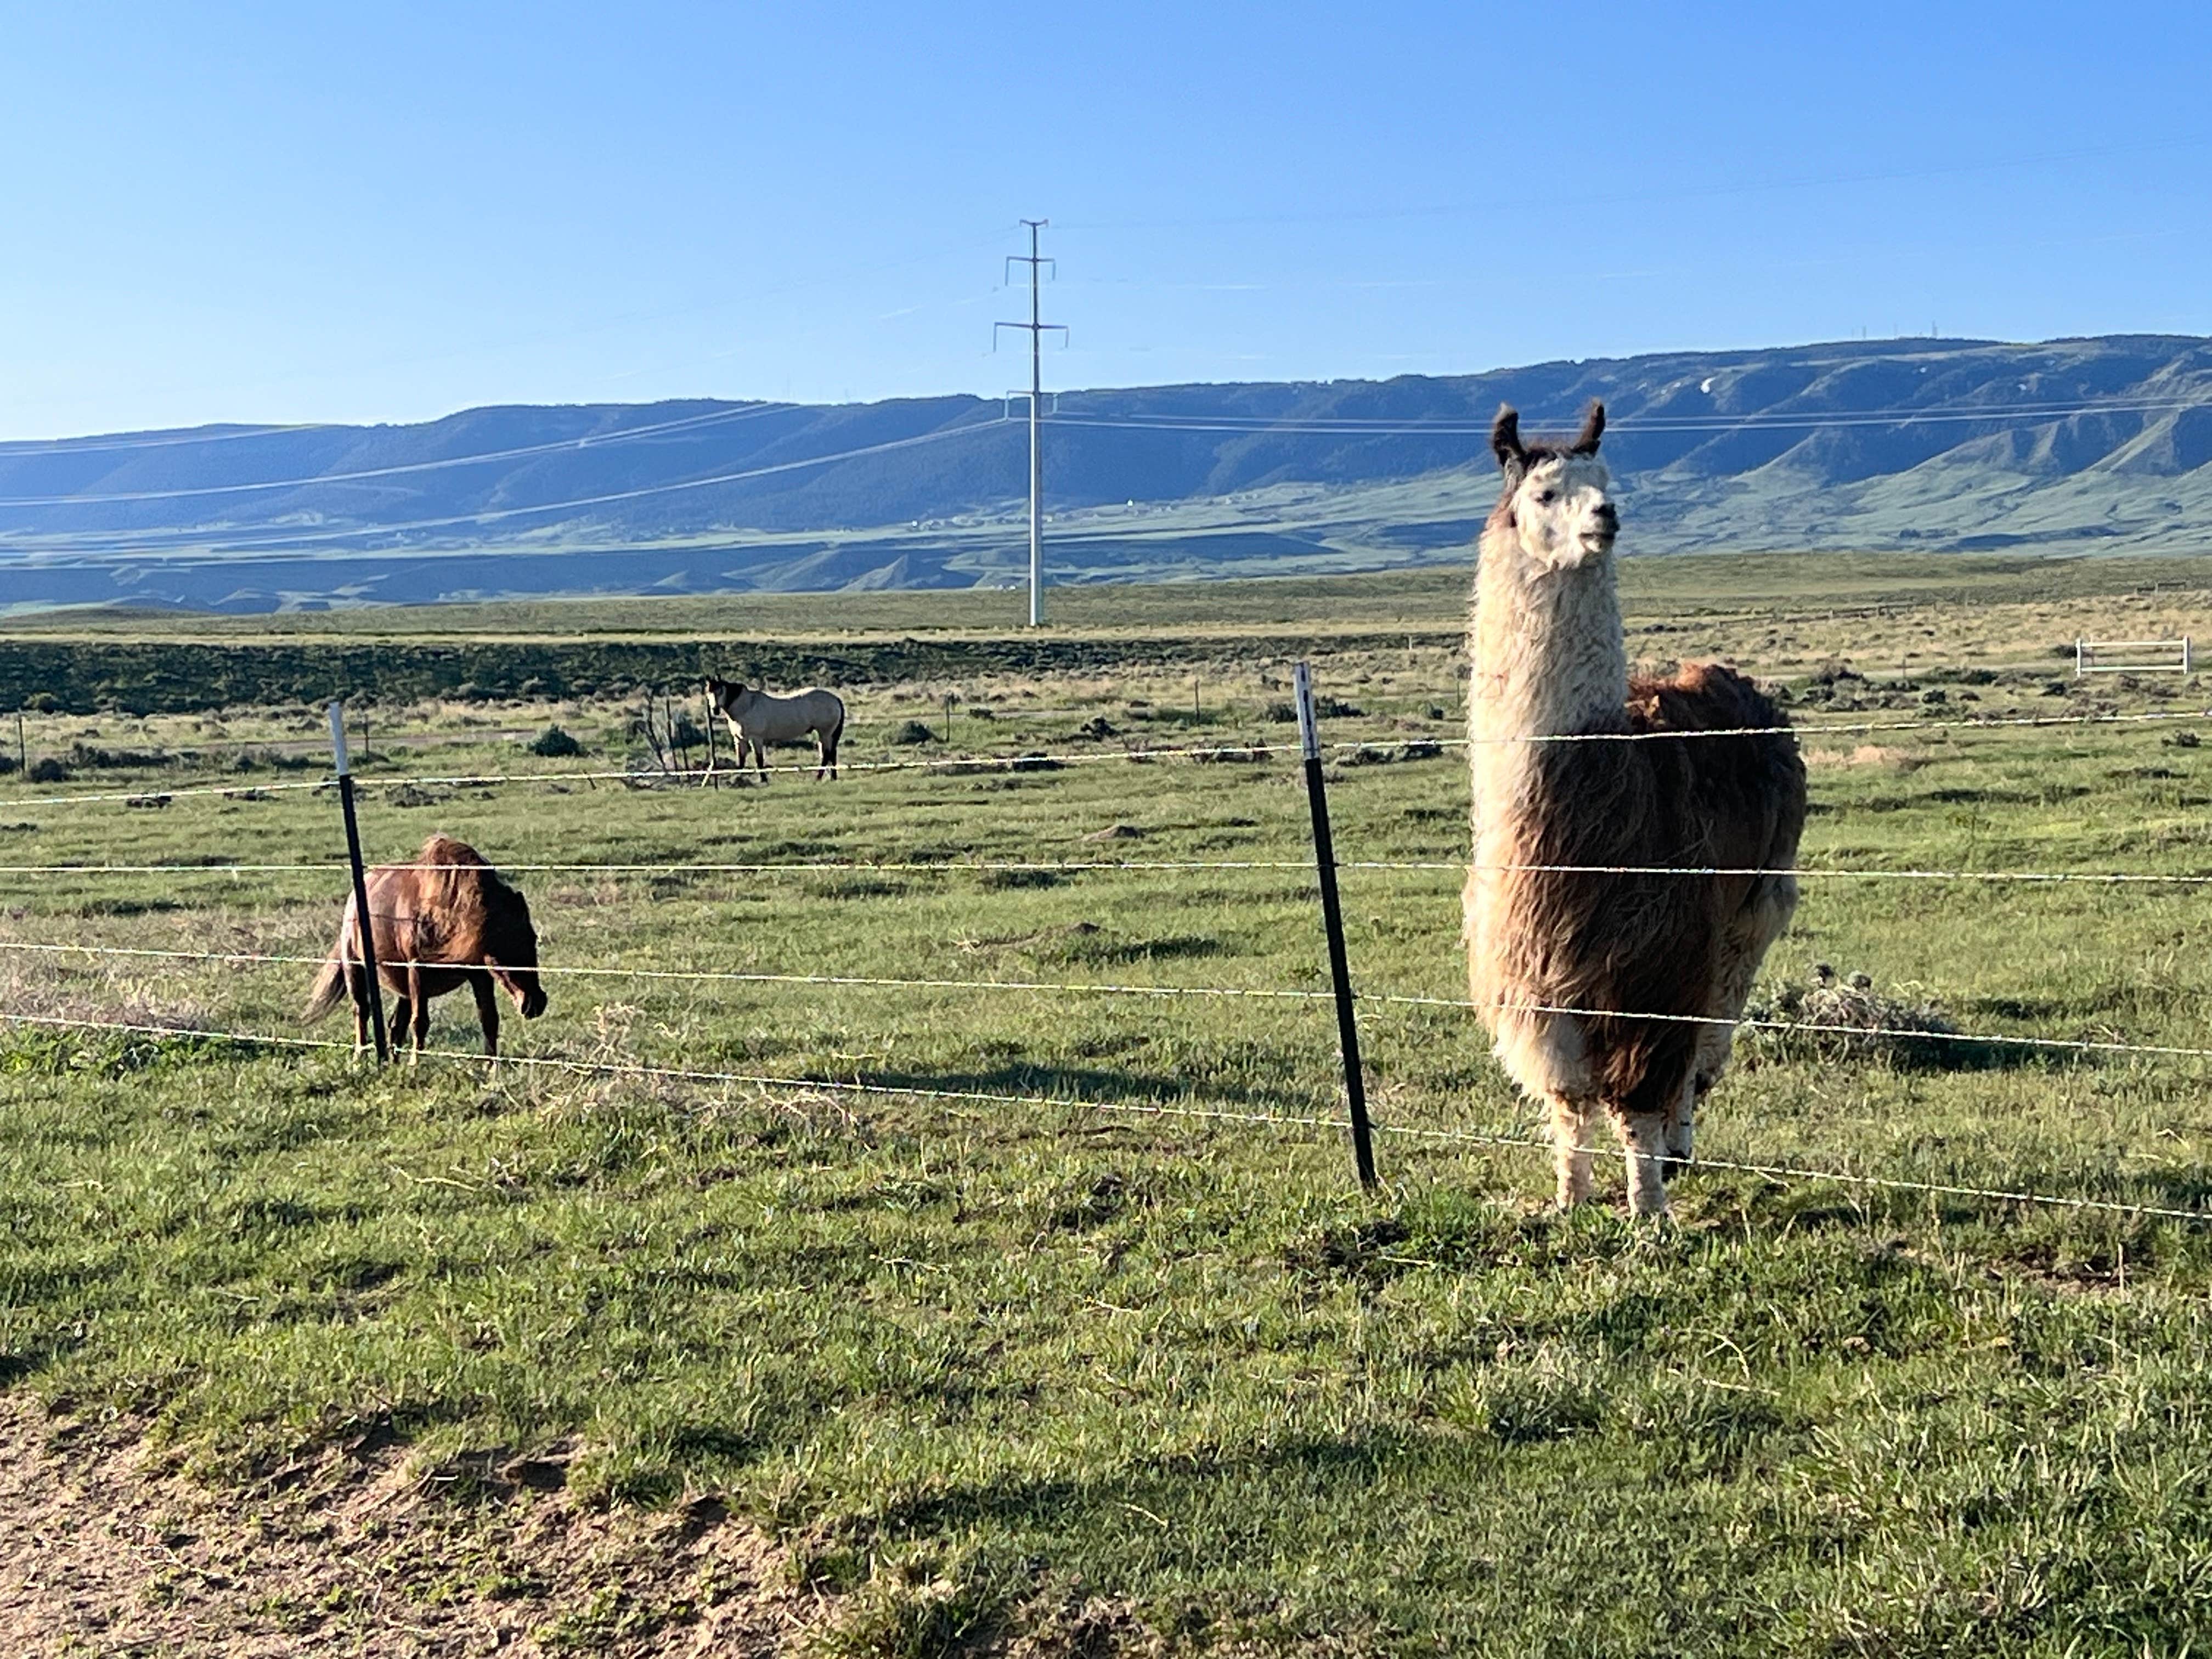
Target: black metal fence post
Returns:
[1332, 916]
[365, 929]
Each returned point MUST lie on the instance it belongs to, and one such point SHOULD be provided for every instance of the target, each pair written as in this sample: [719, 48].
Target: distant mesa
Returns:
[2102, 444]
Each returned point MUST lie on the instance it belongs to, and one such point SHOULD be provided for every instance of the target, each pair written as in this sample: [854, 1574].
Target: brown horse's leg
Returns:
[421, 1008]
[400, 1010]
[486, 1010]
[357, 989]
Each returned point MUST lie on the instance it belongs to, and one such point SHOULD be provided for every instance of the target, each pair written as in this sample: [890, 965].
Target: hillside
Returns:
[1943, 445]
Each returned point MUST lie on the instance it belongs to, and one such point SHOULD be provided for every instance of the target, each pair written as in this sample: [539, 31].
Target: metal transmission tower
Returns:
[1038, 331]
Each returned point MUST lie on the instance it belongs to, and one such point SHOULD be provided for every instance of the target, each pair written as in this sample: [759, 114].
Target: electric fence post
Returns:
[1331, 916]
[365, 929]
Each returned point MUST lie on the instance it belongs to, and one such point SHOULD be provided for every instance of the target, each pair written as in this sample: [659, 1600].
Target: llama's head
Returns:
[1558, 499]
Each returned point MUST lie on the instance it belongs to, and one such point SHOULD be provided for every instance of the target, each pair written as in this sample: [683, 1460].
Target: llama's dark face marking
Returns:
[1558, 497]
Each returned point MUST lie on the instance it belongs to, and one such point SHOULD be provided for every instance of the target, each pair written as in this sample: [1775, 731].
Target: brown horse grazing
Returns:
[445, 922]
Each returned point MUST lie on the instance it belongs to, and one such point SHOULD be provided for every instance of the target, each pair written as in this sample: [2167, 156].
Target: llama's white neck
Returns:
[1545, 654]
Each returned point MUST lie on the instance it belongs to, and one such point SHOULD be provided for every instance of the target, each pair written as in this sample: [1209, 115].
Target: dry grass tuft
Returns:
[1833, 1019]
[1867, 754]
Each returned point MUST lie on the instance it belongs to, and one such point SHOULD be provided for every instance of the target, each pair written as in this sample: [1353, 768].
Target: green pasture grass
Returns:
[1778, 615]
[1425, 597]
[965, 1352]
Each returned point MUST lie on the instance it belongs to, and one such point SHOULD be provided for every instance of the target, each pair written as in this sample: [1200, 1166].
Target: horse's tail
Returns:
[330, 986]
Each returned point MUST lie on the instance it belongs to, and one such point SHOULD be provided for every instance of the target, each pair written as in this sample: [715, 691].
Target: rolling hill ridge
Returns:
[2070, 445]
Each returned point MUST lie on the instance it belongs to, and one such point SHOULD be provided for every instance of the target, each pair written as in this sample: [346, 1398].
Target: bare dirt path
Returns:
[106, 1549]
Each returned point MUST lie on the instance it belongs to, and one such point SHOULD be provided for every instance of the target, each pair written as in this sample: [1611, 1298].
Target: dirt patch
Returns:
[106, 1549]
[1866, 754]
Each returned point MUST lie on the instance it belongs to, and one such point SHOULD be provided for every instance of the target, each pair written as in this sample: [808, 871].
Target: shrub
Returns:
[554, 743]
[1840, 1018]
[48, 771]
[84, 755]
[912, 732]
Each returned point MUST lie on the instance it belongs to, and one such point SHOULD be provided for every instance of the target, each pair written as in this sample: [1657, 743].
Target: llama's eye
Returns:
[1546, 497]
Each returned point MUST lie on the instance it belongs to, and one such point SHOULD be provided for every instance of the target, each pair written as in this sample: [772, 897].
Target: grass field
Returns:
[1099, 1347]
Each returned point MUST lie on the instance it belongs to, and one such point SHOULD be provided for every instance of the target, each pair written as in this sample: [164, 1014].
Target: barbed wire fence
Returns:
[1322, 872]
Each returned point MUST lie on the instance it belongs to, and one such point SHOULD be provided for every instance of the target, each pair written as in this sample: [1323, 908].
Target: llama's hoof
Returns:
[1672, 1165]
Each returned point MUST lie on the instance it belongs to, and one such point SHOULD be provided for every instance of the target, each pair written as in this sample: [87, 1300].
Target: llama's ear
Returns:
[1593, 428]
[1505, 439]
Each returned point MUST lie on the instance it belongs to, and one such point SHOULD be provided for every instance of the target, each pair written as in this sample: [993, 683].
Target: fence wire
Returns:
[1371, 999]
[1224, 752]
[1081, 866]
[1778, 1173]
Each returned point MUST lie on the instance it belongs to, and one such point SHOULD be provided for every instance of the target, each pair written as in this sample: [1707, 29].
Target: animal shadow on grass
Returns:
[1103, 950]
[1106, 1087]
[125, 907]
[1152, 1485]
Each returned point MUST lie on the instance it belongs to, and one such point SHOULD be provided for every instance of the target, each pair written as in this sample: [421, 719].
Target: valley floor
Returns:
[983, 1269]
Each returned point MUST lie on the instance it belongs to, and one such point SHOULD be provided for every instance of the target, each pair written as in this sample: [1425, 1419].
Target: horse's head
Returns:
[723, 694]
[510, 948]
[1557, 502]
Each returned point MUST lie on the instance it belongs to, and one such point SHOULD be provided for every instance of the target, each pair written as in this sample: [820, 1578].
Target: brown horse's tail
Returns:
[330, 987]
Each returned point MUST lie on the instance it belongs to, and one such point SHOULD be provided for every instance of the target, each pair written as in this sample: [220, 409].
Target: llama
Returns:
[445, 922]
[759, 718]
[1548, 661]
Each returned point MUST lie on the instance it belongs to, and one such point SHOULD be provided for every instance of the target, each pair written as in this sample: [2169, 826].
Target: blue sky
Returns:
[293, 212]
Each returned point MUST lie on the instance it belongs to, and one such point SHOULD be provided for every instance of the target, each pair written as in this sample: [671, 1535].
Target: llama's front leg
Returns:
[1573, 1124]
[1644, 1138]
[1683, 1124]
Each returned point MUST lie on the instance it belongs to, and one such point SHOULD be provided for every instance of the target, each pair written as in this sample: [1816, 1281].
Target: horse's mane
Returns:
[456, 883]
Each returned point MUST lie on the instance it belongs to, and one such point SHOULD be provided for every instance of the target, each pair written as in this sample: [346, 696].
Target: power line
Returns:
[215, 543]
[1554, 204]
[589, 440]
[1353, 426]
[20, 449]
